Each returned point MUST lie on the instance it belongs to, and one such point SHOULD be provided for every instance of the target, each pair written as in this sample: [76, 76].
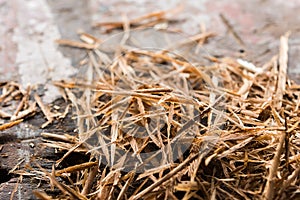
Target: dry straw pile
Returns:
[255, 153]
[238, 122]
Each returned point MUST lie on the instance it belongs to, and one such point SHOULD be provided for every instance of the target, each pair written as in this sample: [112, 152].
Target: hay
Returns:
[252, 154]
[255, 156]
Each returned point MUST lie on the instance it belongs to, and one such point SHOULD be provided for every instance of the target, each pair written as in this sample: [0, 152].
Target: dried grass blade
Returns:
[76, 44]
[45, 109]
[165, 178]
[10, 124]
[236, 147]
[283, 64]
[75, 168]
[89, 181]
[269, 189]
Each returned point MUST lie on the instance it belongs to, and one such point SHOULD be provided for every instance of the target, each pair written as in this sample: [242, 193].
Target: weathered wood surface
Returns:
[28, 55]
